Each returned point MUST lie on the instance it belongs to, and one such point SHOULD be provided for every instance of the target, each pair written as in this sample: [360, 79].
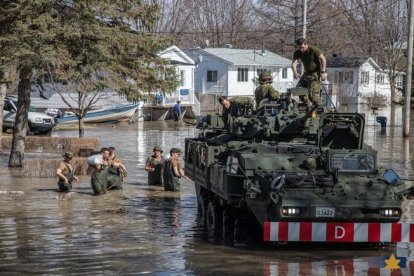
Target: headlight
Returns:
[290, 211]
[390, 212]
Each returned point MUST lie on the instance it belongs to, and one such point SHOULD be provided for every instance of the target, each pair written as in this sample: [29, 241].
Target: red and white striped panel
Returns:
[338, 232]
[360, 267]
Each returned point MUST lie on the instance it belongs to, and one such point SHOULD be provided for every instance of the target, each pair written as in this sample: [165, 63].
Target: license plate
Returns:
[326, 212]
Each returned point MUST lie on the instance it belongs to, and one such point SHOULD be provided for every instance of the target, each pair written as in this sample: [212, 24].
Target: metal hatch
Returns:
[341, 130]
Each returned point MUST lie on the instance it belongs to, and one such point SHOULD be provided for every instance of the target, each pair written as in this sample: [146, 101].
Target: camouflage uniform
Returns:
[238, 106]
[265, 90]
[155, 177]
[311, 77]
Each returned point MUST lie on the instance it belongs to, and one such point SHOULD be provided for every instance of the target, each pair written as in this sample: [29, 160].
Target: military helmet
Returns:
[157, 148]
[265, 76]
[68, 155]
[175, 150]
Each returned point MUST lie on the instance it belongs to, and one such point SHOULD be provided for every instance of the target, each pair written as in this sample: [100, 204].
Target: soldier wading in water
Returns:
[65, 173]
[116, 171]
[173, 171]
[98, 168]
[153, 166]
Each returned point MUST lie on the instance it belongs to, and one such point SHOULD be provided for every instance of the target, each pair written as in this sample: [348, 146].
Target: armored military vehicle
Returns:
[290, 172]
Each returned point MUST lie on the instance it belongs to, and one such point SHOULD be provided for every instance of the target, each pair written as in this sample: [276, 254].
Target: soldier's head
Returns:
[105, 153]
[112, 151]
[175, 153]
[157, 150]
[302, 44]
[225, 102]
[68, 156]
[265, 77]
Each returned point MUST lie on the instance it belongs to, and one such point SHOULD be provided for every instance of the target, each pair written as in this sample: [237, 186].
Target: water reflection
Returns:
[145, 230]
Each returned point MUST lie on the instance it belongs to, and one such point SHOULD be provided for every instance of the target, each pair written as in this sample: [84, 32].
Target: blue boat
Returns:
[115, 113]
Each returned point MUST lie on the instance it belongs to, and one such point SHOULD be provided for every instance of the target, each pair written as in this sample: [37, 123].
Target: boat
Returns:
[115, 113]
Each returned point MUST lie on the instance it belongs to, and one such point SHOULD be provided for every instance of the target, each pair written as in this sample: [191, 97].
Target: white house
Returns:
[358, 80]
[234, 72]
[185, 67]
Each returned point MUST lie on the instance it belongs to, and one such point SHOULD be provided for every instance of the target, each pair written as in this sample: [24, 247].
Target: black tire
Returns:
[28, 129]
[213, 217]
[228, 226]
[201, 210]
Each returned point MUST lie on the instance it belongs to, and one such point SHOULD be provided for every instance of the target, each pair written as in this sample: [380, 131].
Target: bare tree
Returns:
[378, 29]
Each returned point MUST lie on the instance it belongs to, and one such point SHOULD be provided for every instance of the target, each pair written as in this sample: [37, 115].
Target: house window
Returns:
[182, 77]
[349, 77]
[380, 79]
[242, 74]
[340, 77]
[400, 81]
[365, 77]
[212, 76]
[284, 73]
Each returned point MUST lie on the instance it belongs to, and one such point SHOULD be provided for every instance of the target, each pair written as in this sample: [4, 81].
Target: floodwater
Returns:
[142, 230]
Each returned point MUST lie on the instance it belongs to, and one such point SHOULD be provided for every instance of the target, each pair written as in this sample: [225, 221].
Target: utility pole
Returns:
[305, 11]
[407, 104]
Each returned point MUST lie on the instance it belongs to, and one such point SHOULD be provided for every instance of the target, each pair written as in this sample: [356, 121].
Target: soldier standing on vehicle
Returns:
[235, 106]
[153, 166]
[265, 90]
[65, 173]
[314, 64]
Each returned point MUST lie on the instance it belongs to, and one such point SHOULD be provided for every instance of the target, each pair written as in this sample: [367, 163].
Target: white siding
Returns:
[360, 89]
[211, 63]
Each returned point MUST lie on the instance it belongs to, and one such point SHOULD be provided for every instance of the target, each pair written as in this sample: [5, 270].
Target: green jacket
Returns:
[265, 91]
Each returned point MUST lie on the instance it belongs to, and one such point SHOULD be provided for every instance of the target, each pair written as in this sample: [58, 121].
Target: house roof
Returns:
[349, 62]
[176, 56]
[247, 56]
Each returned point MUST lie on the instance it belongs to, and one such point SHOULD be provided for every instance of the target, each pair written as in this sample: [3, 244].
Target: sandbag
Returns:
[95, 159]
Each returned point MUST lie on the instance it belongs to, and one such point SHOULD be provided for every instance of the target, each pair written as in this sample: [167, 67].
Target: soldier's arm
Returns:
[295, 68]
[274, 94]
[148, 166]
[59, 172]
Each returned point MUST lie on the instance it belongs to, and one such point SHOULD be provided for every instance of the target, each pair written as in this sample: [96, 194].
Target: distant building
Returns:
[359, 80]
[233, 72]
[185, 67]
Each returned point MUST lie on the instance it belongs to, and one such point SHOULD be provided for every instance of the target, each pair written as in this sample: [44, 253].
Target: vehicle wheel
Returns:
[213, 217]
[228, 226]
[241, 232]
[201, 210]
[28, 129]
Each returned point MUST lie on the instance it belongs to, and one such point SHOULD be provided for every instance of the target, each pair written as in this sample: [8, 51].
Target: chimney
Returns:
[263, 49]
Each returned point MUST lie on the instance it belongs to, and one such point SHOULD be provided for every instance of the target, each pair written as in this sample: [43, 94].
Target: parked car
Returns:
[38, 123]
